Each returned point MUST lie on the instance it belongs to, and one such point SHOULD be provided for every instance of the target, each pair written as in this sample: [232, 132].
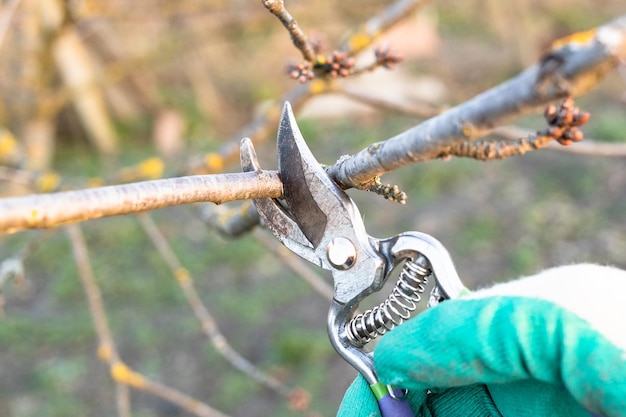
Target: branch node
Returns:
[388, 191]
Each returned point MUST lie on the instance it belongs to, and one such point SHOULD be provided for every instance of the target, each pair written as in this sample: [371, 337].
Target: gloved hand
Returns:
[553, 344]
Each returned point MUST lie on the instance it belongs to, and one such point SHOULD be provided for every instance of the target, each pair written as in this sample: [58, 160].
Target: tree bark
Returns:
[50, 210]
[570, 70]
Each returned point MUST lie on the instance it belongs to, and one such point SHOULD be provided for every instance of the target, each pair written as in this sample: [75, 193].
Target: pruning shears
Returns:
[319, 222]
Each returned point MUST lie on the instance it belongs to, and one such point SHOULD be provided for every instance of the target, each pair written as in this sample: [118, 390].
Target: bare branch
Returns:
[299, 39]
[486, 150]
[107, 350]
[377, 25]
[265, 122]
[587, 147]
[122, 397]
[49, 210]
[421, 110]
[209, 325]
[580, 67]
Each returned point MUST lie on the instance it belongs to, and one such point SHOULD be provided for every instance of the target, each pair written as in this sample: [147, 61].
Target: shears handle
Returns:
[396, 405]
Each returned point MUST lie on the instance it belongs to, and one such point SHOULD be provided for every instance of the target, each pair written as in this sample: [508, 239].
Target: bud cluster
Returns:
[564, 122]
[386, 58]
[302, 72]
[337, 64]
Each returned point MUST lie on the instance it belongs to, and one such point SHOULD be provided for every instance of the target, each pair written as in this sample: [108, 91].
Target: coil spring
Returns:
[395, 309]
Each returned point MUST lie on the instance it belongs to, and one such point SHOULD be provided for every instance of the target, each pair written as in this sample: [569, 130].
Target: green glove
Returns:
[553, 344]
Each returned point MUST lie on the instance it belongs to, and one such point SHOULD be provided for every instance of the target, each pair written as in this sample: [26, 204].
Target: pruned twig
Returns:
[50, 210]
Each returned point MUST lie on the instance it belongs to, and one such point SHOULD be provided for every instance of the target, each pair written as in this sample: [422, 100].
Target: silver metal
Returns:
[341, 253]
[318, 221]
[392, 393]
[397, 308]
[274, 215]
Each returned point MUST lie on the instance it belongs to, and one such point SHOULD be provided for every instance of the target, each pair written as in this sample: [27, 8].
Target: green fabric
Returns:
[471, 401]
[536, 358]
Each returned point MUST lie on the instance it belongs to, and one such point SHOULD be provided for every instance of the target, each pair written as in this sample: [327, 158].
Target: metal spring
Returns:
[395, 309]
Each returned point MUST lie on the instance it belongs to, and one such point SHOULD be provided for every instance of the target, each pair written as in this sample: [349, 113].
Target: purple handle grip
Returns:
[391, 407]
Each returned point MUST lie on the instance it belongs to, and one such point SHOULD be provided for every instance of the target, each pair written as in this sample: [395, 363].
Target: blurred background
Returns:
[89, 88]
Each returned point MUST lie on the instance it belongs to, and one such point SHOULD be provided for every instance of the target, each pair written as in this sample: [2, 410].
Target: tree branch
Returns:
[580, 67]
[570, 70]
[123, 376]
[50, 210]
[265, 122]
[209, 325]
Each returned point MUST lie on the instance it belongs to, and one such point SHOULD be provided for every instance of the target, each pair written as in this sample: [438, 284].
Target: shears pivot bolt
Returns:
[341, 253]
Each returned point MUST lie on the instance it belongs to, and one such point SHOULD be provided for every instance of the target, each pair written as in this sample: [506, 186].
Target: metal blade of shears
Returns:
[316, 203]
[274, 215]
[327, 217]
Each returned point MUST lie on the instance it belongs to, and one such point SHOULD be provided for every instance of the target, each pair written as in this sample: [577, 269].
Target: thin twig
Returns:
[378, 25]
[421, 110]
[299, 39]
[488, 150]
[209, 325]
[122, 396]
[589, 147]
[107, 350]
[266, 122]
